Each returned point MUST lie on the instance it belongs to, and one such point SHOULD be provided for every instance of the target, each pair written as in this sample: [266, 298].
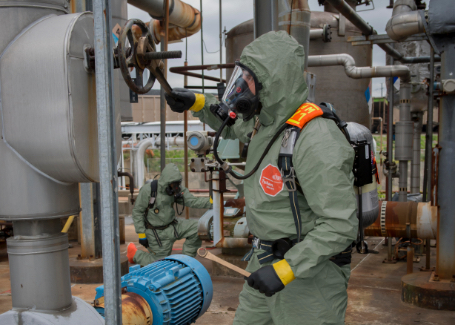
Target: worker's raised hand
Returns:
[180, 100]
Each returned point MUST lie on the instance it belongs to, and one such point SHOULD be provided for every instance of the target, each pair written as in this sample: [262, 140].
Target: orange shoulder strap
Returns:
[305, 113]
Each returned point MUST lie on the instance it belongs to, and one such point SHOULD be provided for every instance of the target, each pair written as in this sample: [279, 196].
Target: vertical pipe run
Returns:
[429, 133]
[221, 43]
[445, 266]
[162, 99]
[185, 143]
[390, 136]
[217, 197]
[202, 50]
[265, 16]
[107, 161]
[415, 165]
[87, 224]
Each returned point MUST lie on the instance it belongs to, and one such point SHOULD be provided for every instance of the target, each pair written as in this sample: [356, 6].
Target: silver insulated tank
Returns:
[332, 85]
[370, 199]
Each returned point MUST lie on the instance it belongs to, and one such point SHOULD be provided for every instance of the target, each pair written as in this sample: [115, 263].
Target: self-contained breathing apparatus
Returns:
[363, 169]
[172, 190]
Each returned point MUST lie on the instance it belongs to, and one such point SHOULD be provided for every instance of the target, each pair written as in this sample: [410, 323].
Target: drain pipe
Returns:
[405, 21]
[351, 15]
[186, 19]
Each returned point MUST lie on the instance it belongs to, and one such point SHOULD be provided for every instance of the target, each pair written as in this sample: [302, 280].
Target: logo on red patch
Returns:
[238, 90]
[271, 181]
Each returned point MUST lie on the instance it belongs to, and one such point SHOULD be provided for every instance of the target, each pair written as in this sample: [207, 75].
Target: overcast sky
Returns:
[237, 11]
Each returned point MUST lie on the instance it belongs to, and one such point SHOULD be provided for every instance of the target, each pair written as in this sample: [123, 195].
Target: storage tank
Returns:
[332, 85]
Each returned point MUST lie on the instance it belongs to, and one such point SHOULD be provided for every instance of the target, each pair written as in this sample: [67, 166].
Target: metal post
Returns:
[162, 99]
[429, 133]
[221, 44]
[107, 161]
[445, 265]
[265, 16]
[202, 49]
[217, 204]
[185, 144]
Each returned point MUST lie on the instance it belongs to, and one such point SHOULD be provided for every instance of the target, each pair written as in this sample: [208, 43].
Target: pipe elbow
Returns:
[401, 26]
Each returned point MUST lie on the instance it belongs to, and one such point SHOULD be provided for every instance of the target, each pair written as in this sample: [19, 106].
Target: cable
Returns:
[205, 46]
[221, 162]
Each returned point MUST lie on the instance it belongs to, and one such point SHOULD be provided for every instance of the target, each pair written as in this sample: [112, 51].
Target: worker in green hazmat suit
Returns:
[160, 229]
[307, 285]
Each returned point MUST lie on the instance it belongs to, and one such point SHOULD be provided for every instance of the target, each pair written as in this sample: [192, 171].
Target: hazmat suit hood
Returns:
[281, 72]
[169, 175]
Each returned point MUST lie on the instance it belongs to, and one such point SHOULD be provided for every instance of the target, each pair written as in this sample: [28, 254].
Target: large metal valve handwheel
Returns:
[141, 43]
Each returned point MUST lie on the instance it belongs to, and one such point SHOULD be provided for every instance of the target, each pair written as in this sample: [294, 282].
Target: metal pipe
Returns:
[429, 132]
[230, 242]
[316, 33]
[265, 16]
[445, 266]
[294, 17]
[405, 21]
[364, 27]
[185, 145]
[186, 19]
[390, 134]
[415, 165]
[393, 218]
[141, 147]
[359, 72]
[131, 178]
[217, 206]
[162, 99]
[87, 224]
[221, 42]
[107, 160]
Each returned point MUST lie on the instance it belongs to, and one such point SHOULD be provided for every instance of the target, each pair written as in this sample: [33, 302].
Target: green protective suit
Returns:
[166, 214]
[323, 162]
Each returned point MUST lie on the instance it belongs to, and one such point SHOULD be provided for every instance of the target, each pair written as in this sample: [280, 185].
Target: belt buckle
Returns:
[289, 178]
[256, 242]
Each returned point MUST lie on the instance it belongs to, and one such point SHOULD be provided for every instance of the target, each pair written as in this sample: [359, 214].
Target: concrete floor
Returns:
[374, 290]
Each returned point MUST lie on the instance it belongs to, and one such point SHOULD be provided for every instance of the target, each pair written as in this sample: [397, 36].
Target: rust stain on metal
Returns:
[135, 310]
[434, 175]
[235, 203]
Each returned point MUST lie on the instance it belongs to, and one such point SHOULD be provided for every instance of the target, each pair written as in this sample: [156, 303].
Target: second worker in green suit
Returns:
[159, 229]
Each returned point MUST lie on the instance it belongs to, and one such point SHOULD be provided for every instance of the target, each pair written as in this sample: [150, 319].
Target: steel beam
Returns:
[107, 160]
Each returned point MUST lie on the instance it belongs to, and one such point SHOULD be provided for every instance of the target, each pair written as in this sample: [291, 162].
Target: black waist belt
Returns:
[154, 229]
[278, 248]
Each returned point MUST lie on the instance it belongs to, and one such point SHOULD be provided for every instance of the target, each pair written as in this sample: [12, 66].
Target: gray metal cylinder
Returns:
[415, 165]
[265, 16]
[296, 21]
[39, 271]
[370, 199]
[37, 228]
[39, 197]
[404, 138]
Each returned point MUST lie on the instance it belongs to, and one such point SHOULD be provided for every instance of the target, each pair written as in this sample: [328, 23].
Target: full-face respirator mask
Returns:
[240, 96]
[174, 190]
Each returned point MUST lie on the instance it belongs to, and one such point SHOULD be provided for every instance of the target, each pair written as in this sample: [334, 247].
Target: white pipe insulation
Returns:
[405, 21]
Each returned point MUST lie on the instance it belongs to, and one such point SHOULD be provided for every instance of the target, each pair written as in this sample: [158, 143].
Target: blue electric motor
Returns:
[178, 289]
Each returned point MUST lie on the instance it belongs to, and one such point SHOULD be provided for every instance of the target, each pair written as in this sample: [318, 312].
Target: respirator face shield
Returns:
[174, 190]
[241, 94]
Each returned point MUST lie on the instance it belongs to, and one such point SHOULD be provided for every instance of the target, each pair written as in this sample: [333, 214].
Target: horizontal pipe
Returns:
[364, 27]
[186, 19]
[355, 72]
[316, 33]
[230, 242]
[394, 216]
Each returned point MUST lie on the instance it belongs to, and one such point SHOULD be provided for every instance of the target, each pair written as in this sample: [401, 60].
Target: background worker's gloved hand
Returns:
[182, 100]
[143, 240]
[271, 278]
